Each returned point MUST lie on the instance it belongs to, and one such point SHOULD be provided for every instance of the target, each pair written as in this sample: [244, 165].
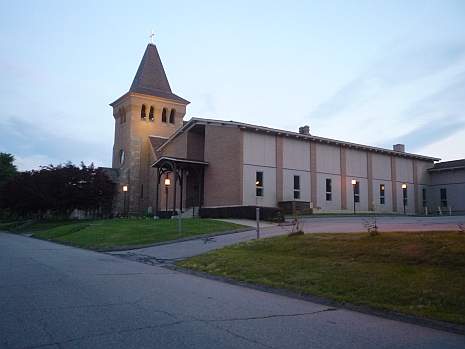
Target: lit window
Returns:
[151, 117]
[142, 112]
[172, 114]
[259, 184]
[443, 197]
[296, 187]
[163, 115]
[382, 193]
[357, 191]
[329, 190]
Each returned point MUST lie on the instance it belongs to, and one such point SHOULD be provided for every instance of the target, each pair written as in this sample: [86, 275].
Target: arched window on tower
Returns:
[172, 114]
[122, 116]
[163, 115]
[151, 114]
[142, 112]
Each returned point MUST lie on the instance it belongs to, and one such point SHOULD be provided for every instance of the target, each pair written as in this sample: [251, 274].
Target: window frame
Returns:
[172, 116]
[163, 115]
[296, 186]
[151, 113]
[382, 194]
[143, 112]
[329, 193]
[443, 197]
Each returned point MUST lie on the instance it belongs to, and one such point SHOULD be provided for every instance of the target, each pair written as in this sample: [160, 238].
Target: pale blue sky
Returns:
[363, 71]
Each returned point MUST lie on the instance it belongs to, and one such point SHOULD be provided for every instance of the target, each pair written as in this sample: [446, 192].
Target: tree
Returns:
[58, 190]
[7, 168]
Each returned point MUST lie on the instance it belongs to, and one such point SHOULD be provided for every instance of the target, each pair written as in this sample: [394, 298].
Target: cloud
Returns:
[33, 145]
[429, 133]
[399, 67]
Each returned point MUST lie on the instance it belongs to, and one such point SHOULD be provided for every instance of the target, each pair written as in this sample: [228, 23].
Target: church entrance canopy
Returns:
[184, 172]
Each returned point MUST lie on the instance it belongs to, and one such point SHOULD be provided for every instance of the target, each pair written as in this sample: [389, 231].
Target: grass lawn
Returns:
[114, 233]
[414, 273]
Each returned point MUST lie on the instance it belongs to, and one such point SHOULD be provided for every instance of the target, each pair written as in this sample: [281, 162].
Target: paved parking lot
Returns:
[55, 296]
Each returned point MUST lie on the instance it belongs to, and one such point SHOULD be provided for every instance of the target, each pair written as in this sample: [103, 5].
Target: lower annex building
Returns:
[163, 163]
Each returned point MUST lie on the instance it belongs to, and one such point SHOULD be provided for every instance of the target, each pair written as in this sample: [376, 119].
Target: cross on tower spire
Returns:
[151, 36]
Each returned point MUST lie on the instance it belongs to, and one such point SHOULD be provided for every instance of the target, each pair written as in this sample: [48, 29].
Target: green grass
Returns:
[420, 274]
[118, 233]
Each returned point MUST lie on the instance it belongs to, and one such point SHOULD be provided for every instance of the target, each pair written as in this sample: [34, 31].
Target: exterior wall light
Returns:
[167, 181]
[125, 188]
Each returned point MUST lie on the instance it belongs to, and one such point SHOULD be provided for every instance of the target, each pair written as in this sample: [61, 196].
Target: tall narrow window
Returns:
[172, 114]
[151, 117]
[423, 197]
[357, 191]
[121, 156]
[259, 184]
[443, 197]
[142, 112]
[141, 191]
[329, 190]
[382, 194]
[296, 187]
[163, 115]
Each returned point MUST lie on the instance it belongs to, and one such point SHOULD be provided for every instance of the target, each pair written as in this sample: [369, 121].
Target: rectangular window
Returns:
[443, 197]
[382, 194]
[423, 197]
[357, 191]
[296, 187]
[329, 190]
[259, 184]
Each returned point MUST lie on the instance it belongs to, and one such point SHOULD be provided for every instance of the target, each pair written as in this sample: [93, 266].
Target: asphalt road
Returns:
[53, 296]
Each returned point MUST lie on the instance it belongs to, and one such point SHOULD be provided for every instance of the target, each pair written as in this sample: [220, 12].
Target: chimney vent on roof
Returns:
[399, 147]
[304, 130]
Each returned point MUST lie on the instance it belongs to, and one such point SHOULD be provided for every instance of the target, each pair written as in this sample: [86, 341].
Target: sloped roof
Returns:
[262, 129]
[449, 165]
[151, 78]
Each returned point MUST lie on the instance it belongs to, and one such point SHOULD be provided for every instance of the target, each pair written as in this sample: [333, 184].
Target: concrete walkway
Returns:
[54, 296]
[348, 224]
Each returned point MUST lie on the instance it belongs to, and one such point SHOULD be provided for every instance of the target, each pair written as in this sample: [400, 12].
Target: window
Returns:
[151, 114]
[382, 196]
[443, 197]
[141, 191]
[122, 116]
[163, 115]
[296, 187]
[423, 197]
[121, 156]
[259, 184]
[357, 191]
[329, 190]
[142, 112]
[172, 114]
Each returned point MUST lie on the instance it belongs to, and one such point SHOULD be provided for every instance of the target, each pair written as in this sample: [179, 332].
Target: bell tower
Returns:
[148, 112]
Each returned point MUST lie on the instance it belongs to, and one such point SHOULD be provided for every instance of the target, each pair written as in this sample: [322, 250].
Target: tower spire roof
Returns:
[151, 78]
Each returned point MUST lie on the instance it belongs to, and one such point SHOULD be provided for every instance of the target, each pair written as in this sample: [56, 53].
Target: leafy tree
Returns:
[7, 168]
[58, 190]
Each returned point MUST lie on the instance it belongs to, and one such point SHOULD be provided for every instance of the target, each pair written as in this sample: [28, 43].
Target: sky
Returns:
[370, 72]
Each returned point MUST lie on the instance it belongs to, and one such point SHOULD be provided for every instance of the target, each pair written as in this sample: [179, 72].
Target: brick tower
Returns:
[149, 113]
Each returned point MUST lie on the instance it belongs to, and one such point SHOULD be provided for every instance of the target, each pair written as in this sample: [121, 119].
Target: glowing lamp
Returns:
[404, 186]
[354, 182]
[125, 188]
[167, 181]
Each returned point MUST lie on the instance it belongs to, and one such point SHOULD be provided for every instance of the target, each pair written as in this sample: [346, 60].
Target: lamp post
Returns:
[404, 195]
[354, 183]
[167, 184]
[125, 199]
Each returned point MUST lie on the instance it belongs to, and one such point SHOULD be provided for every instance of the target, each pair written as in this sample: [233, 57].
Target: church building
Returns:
[166, 164]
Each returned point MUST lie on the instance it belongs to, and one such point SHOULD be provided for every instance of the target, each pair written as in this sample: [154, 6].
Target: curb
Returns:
[385, 314]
